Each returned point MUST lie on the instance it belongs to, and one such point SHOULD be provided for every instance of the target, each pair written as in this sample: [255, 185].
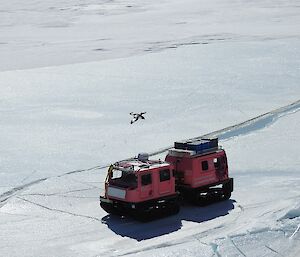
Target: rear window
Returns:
[164, 175]
[205, 165]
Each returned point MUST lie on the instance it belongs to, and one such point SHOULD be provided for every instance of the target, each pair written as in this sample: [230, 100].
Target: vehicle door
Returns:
[165, 183]
[146, 185]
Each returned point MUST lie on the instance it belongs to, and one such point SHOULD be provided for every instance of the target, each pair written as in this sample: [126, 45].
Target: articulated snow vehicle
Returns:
[146, 189]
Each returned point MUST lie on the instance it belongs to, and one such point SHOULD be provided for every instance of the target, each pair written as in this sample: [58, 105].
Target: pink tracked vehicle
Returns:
[194, 171]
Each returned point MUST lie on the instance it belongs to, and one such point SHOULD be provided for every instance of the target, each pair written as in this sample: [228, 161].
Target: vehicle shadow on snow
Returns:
[141, 231]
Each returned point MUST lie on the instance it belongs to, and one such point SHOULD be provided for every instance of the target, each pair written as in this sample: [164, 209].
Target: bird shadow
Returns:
[128, 227]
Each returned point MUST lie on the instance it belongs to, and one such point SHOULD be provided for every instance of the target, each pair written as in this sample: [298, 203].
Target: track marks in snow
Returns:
[246, 127]
[60, 193]
[65, 194]
[158, 46]
[256, 123]
[14, 191]
[236, 247]
[271, 249]
[58, 210]
[259, 122]
[83, 170]
[5, 196]
[154, 247]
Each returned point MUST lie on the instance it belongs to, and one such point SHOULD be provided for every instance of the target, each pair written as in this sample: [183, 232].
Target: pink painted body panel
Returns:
[154, 190]
[155, 179]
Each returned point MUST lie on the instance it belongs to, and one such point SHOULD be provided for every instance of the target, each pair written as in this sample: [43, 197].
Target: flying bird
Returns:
[136, 116]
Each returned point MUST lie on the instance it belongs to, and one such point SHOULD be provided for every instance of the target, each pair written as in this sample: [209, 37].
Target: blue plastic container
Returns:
[199, 146]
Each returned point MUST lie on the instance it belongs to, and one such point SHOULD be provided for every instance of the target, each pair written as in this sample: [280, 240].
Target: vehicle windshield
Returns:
[121, 178]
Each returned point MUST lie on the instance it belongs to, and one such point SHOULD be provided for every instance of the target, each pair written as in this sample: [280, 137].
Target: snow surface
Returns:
[195, 67]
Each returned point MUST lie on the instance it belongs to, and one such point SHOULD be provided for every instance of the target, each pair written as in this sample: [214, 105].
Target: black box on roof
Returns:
[180, 145]
[214, 142]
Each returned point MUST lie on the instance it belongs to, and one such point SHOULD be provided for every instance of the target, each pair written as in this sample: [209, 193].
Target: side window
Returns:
[146, 179]
[205, 165]
[164, 175]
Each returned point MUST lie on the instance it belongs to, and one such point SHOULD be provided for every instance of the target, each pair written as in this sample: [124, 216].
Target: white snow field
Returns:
[71, 71]
[50, 32]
